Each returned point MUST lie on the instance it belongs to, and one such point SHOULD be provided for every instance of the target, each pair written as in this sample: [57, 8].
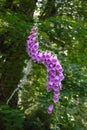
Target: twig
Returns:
[26, 71]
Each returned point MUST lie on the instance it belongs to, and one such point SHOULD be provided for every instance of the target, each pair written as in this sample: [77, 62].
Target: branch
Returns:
[26, 71]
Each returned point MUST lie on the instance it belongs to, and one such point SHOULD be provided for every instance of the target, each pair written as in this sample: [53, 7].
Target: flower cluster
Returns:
[54, 69]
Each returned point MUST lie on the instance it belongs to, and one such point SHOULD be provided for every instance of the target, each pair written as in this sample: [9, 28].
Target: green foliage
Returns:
[66, 37]
[14, 29]
[71, 111]
[38, 120]
[63, 31]
[11, 119]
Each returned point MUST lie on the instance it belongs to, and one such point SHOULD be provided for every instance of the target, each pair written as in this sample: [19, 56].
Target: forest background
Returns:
[62, 30]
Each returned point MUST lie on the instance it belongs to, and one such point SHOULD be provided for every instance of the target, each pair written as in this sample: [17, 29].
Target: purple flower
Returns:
[50, 109]
[53, 59]
[61, 76]
[40, 57]
[56, 97]
[49, 88]
[56, 79]
[54, 69]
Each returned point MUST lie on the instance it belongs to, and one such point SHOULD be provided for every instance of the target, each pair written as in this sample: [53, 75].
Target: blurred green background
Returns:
[62, 30]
